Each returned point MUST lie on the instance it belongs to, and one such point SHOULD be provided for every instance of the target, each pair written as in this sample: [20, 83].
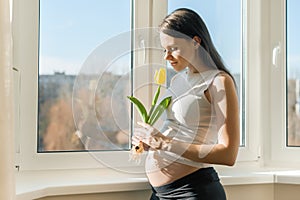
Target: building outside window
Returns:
[68, 35]
[293, 73]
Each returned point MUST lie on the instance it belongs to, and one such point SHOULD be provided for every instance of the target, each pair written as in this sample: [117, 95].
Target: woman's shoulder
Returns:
[224, 80]
[225, 77]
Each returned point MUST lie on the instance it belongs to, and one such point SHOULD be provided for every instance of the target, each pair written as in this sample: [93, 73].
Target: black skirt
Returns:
[203, 184]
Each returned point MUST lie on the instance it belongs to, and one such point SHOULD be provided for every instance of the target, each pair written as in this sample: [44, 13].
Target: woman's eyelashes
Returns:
[170, 50]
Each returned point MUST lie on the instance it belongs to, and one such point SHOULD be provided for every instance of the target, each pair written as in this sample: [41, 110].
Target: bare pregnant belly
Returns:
[161, 171]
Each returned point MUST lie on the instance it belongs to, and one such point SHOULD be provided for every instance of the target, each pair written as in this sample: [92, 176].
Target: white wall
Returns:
[7, 183]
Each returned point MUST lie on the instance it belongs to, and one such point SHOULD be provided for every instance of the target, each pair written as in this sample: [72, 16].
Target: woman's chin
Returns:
[178, 68]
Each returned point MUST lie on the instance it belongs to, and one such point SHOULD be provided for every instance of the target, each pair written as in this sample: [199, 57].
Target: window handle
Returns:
[276, 52]
[142, 45]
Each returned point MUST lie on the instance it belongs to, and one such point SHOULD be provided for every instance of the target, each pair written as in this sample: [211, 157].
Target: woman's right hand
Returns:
[150, 137]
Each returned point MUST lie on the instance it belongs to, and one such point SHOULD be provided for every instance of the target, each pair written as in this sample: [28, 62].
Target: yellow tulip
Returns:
[155, 110]
[160, 76]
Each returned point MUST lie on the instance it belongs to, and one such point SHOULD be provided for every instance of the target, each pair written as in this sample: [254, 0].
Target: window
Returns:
[52, 41]
[283, 109]
[234, 34]
[70, 38]
[227, 37]
[293, 73]
[42, 58]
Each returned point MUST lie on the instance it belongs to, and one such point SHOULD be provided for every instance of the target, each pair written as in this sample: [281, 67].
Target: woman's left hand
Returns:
[149, 136]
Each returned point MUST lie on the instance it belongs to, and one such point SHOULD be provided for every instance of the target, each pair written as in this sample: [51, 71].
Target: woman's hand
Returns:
[150, 137]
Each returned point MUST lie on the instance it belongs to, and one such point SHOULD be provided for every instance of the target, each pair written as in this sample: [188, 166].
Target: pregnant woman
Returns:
[201, 125]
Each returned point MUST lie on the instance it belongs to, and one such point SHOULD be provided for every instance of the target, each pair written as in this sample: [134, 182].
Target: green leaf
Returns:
[141, 108]
[150, 113]
[159, 110]
[156, 96]
[154, 102]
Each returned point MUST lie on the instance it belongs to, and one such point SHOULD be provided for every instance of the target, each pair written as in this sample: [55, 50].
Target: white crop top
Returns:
[190, 114]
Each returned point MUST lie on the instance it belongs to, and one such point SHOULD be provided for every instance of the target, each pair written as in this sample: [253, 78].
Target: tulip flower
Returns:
[160, 76]
[155, 111]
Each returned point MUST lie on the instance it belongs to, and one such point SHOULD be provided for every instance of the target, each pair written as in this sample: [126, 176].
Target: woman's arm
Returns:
[223, 96]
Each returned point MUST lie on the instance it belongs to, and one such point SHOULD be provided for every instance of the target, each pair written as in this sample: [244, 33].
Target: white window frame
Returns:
[25, 36]
[279, 154]
[251, 150]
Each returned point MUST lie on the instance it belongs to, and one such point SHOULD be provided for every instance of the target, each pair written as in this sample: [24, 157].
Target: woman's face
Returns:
[179, 52]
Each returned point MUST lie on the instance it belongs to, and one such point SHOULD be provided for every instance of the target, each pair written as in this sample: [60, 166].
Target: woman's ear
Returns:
[197, 41]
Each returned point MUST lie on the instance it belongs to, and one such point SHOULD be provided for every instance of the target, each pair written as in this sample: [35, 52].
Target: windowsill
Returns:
[37, 184]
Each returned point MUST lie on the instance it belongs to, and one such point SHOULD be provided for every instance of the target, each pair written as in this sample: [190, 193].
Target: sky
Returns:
[70, 32]
[224, 26]
[293, 39]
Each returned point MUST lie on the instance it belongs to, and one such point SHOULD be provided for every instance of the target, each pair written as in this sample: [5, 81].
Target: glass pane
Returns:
[293, 73]
[226, 36]
[70, 36]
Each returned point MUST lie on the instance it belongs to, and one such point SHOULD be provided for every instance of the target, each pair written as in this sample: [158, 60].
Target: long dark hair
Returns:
[190, 24]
